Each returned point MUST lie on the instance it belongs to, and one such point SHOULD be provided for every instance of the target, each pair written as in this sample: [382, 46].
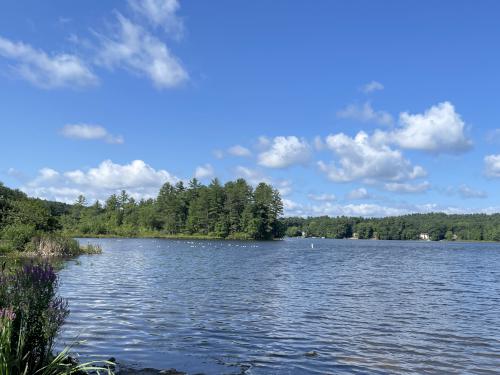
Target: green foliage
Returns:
[439, 226]
[233, 210]
[293, 231]
[18, 235]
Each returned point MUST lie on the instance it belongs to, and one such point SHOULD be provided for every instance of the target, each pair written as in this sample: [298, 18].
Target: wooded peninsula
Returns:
[234, 210]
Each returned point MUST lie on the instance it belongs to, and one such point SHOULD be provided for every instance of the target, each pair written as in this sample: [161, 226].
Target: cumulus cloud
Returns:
[137, 177]
[399, 187]
[45, 70]
[372, 86]
[362, 159]
[238, 150]
[133, 48]
[440, 129]
[90, 132]
[203, 172]
[492, 165]
[365, 113]
[160, 13]
[284, 152]
[360, 193]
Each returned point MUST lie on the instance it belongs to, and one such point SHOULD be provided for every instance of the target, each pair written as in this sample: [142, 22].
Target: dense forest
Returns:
[233, 210]
[438, 226]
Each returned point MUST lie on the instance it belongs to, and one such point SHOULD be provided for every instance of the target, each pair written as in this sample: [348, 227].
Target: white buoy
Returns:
[312, 246]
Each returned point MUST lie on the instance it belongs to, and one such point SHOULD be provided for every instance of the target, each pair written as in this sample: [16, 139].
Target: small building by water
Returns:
[424, 237]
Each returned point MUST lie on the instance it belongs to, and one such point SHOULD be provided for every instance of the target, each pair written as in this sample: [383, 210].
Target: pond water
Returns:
[286, 307]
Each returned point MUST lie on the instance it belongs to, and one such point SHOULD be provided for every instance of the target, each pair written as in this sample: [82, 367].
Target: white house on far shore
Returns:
[424, 237]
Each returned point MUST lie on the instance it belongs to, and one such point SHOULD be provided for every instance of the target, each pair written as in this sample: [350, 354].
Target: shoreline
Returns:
[168, 237]
[214, 238]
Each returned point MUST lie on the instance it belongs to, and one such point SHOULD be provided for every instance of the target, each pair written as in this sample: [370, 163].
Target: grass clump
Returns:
[54, 245]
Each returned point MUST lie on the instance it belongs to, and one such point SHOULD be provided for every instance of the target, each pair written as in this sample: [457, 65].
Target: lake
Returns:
[285, 307]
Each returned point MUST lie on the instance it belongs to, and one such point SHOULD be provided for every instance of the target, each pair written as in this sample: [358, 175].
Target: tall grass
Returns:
[51, 245]
[31, 315]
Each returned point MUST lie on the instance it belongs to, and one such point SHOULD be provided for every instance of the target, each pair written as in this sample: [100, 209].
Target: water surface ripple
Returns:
[343, 307]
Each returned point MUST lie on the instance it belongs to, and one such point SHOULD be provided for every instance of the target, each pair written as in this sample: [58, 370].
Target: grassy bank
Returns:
[235, 236]
[47, 246]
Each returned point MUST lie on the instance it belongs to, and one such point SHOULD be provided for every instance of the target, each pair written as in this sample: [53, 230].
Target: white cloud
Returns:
[467, 192]
[44, 70]
[360, 193]
[160, 13]
[136, 50]
[284, 187]
[138, 178]
[238, 150]
[253, 176]
[440, 129]
[492, 165]
[90, 132]
[284, 152]
[398, 187]
[364, 160]
[372, 86]
[292, 208]
[321, 197]
[365, 113]
[203, 172]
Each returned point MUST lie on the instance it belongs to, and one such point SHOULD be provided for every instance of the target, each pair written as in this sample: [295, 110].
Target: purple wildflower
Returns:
[7, 314]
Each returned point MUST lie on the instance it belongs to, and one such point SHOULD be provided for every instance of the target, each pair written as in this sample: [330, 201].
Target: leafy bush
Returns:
[18, 235]
[5, 247]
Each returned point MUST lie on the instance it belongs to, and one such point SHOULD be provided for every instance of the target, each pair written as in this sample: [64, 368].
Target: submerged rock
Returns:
[311, 354]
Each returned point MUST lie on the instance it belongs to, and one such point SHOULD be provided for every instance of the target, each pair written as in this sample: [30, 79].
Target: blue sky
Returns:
[348, 107]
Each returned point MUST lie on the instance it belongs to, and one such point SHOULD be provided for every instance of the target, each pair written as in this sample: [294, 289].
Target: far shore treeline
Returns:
[234, 210]
[431, 226]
